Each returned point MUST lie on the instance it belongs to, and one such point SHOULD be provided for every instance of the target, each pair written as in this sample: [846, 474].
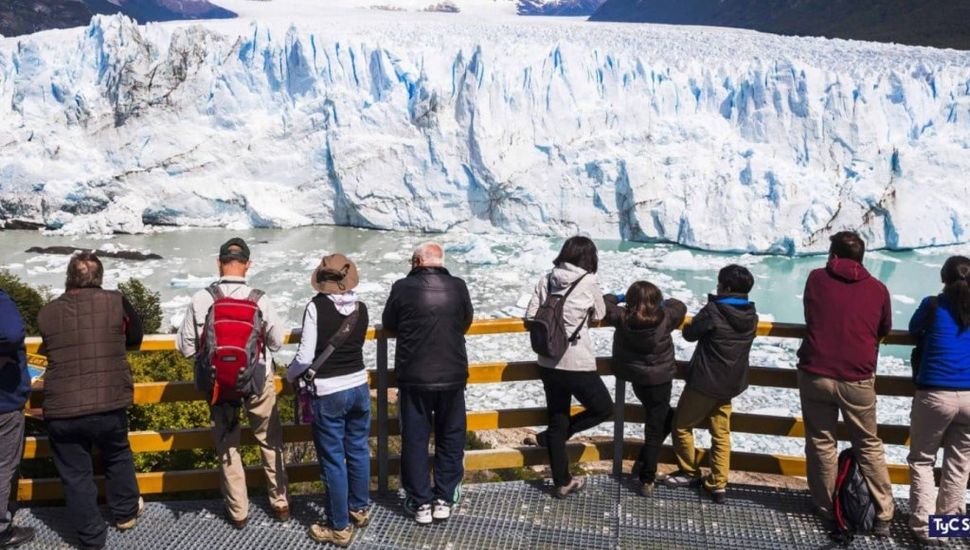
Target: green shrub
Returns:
[28, 299]
[147, 304]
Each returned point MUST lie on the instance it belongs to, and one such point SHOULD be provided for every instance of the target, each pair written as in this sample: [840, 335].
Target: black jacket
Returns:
[724, 333]
[644, 356]
[430, 311]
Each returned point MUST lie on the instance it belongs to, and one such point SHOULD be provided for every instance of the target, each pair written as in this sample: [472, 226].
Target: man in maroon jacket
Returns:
[847, 312]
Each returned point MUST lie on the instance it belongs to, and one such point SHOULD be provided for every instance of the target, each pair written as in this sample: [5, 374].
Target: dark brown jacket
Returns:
[86, 332]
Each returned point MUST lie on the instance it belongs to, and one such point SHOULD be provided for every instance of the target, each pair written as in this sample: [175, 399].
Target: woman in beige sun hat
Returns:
[331, 362]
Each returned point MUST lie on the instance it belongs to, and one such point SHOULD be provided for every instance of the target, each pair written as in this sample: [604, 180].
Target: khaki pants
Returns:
[695, 409]
[822, 399]
[264, 418]
[939, 418]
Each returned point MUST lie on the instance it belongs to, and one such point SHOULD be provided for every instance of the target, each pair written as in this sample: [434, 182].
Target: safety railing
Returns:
[382, 379]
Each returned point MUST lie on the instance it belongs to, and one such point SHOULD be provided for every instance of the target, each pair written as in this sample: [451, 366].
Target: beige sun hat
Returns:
[336, 274]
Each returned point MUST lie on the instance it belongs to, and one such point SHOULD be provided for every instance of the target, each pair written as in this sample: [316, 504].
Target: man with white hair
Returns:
[430, 311]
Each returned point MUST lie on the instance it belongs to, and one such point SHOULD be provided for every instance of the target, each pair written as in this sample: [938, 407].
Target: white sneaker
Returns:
[442, 510]
[422, 514]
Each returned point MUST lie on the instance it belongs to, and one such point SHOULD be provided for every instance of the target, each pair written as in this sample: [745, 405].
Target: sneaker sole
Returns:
[441, 517]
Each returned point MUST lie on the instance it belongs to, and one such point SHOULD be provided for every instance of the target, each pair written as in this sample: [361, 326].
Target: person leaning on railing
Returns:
[847, 313]
[430, 310]
[330, 364]
[941, 405]
[573, 374]
[643, 354]
[14, 391]
[88, 388]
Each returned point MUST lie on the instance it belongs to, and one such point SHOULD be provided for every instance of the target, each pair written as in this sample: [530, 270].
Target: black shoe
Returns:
[881, 528]
[718, 495]
[15, 536]
[542, 439]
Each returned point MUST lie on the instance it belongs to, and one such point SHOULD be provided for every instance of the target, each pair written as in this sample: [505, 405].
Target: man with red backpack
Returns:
[231, 330]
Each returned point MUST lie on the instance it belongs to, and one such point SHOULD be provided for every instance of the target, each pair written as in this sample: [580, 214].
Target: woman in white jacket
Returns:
[573, 374]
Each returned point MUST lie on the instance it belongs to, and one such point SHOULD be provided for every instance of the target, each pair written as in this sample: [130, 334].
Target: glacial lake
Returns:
[501, 271]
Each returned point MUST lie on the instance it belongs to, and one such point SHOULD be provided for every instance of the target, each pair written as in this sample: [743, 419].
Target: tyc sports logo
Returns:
[950, 526]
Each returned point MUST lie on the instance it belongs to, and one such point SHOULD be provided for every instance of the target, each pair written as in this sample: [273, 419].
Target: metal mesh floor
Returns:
[607, 514]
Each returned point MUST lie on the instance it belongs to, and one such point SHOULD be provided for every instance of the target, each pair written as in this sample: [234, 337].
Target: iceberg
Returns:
[718, 139]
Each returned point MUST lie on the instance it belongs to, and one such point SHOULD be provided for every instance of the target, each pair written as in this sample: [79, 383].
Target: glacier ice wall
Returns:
[719, 139]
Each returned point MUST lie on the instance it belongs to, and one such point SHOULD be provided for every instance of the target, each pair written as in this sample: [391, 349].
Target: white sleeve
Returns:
[538, 296]
[308, 344]
[187, 335]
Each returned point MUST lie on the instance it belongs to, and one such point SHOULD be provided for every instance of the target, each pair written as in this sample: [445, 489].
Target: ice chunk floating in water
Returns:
[713, 138]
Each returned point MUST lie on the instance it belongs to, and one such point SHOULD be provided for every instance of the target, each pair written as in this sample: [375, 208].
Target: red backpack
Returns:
[227, 365]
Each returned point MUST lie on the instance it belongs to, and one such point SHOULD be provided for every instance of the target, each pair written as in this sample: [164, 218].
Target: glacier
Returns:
[718, 139]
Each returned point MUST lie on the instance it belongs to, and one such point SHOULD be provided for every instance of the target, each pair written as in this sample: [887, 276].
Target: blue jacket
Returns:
[946, 351]
[14, 378]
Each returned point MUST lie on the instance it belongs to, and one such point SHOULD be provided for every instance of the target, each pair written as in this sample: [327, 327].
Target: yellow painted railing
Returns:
[382, 379]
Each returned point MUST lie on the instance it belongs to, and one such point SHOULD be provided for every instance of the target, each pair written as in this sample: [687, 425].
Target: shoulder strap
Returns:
[215, 291]
[573, 286]
[255, 294]
[337, 340]
[589, 311]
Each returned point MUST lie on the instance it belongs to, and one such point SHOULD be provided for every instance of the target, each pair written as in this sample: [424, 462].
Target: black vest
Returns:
[349, 357]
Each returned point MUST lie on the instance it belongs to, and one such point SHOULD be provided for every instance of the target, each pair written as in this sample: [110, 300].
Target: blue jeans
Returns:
[341, 425]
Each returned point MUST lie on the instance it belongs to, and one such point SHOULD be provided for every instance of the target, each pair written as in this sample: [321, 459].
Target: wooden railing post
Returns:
[618, 408]
[383, 454]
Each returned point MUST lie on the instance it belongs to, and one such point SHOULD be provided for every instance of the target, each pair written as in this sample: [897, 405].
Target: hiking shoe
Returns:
[880, 528]
[680, 479]
[328, 535]
[646, 489]
[129, 523]
[442, 509]
[282, 514]
[422, 514]
[926, 540]
[15, 536]
[540, 439]
[575, 485]
[360, 518]
[718, 495]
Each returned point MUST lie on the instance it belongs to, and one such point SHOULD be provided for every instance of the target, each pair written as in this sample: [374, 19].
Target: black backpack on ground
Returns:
[916, 356]
[855, 512]
[547, 330]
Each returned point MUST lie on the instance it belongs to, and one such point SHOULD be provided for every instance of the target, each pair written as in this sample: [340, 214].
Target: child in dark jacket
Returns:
[724, 330]
[643, 354]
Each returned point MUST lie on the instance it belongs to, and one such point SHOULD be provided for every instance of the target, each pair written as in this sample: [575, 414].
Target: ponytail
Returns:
[956, 289]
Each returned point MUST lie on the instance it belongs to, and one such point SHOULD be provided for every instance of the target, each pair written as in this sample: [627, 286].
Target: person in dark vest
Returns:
[87, 391]
[847, 313]
[264, 416]
[430, 311]
[341, 397]
[14, 390]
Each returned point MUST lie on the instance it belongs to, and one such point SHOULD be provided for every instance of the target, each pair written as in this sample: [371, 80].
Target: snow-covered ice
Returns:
[305, 112]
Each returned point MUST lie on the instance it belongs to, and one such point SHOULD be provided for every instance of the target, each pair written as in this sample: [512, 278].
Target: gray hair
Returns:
[84, 271]
[429, 254]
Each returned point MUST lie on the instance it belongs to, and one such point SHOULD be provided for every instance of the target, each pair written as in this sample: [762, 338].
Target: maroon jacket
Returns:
[847, 311]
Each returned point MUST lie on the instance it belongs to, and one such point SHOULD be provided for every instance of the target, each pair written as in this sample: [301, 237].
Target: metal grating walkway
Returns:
[515, 515]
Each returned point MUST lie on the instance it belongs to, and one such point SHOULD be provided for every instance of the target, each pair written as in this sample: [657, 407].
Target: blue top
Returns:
[14, 380]
[946, 351]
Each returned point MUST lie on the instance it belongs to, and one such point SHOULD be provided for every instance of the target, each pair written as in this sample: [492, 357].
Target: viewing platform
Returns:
[607, 514]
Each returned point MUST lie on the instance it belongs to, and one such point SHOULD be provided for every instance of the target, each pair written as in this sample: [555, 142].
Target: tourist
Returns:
[724, 330]
[941, 405]
[573, 373]
[430, 311]
[847, 313]
[87, 390]
[14, 391]
[643, 354]
[330, 363]
[259, 399]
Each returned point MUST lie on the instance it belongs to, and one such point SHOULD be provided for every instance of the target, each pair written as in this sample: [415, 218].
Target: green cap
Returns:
[234, 249]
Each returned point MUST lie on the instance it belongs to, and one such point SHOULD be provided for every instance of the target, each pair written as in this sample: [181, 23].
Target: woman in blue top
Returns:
[941, 405]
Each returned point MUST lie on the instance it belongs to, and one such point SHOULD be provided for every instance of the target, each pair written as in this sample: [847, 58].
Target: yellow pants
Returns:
[696, 409]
